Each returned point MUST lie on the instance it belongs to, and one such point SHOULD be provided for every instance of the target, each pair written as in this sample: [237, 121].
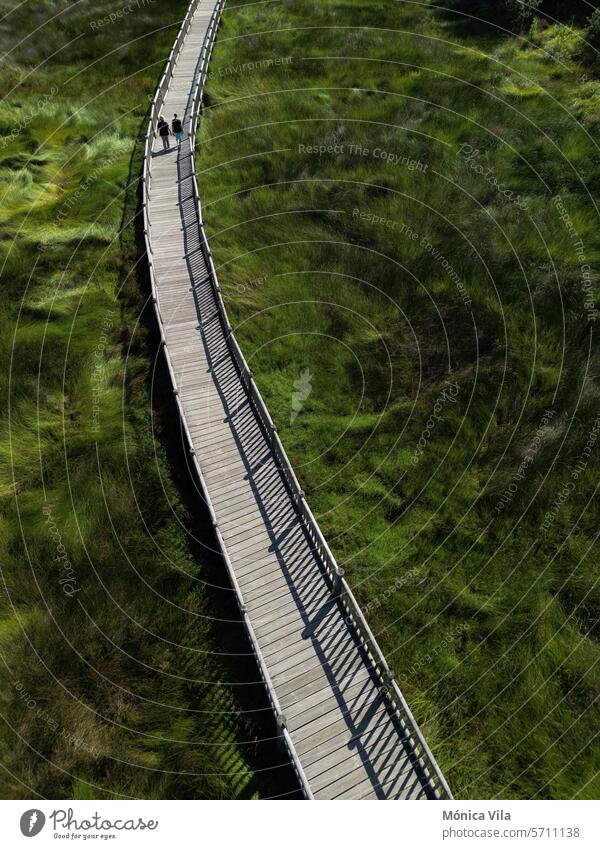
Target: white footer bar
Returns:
[291, 825]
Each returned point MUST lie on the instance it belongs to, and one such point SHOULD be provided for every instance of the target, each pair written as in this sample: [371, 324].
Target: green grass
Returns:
[489, 620]
[111, 646]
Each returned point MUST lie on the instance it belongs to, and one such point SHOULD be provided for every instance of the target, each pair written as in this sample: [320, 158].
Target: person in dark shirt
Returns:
[164, 132]
[177, 128]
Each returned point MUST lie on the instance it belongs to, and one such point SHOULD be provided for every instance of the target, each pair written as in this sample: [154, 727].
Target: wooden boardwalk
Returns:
[348, 730]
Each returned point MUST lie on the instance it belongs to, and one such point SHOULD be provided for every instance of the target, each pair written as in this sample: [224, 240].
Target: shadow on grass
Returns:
[272, 773]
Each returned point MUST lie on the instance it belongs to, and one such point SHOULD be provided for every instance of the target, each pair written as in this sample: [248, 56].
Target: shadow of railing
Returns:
[275, 482]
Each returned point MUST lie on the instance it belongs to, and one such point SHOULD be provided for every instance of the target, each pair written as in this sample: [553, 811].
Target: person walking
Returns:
[177, 128]
[164, 132]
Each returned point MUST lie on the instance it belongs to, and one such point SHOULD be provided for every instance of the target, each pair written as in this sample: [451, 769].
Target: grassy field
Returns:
[113, 645]
[401, 206]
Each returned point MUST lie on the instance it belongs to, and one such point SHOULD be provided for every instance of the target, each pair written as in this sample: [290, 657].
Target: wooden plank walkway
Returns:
[347, 737]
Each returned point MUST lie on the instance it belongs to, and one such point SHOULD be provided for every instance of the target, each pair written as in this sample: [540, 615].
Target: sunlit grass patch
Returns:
[111, 689]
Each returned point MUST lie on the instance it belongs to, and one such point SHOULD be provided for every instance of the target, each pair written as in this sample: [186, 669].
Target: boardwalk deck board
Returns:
[345, 735]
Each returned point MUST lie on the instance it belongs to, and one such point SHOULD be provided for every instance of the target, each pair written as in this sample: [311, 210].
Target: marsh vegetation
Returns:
[402, 210]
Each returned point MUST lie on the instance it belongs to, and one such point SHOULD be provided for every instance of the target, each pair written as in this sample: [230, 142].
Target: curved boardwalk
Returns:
[347, 728]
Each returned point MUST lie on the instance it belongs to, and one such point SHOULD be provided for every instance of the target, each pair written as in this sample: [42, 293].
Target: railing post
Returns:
[281, 722]
[388, 681]
[337, 581]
